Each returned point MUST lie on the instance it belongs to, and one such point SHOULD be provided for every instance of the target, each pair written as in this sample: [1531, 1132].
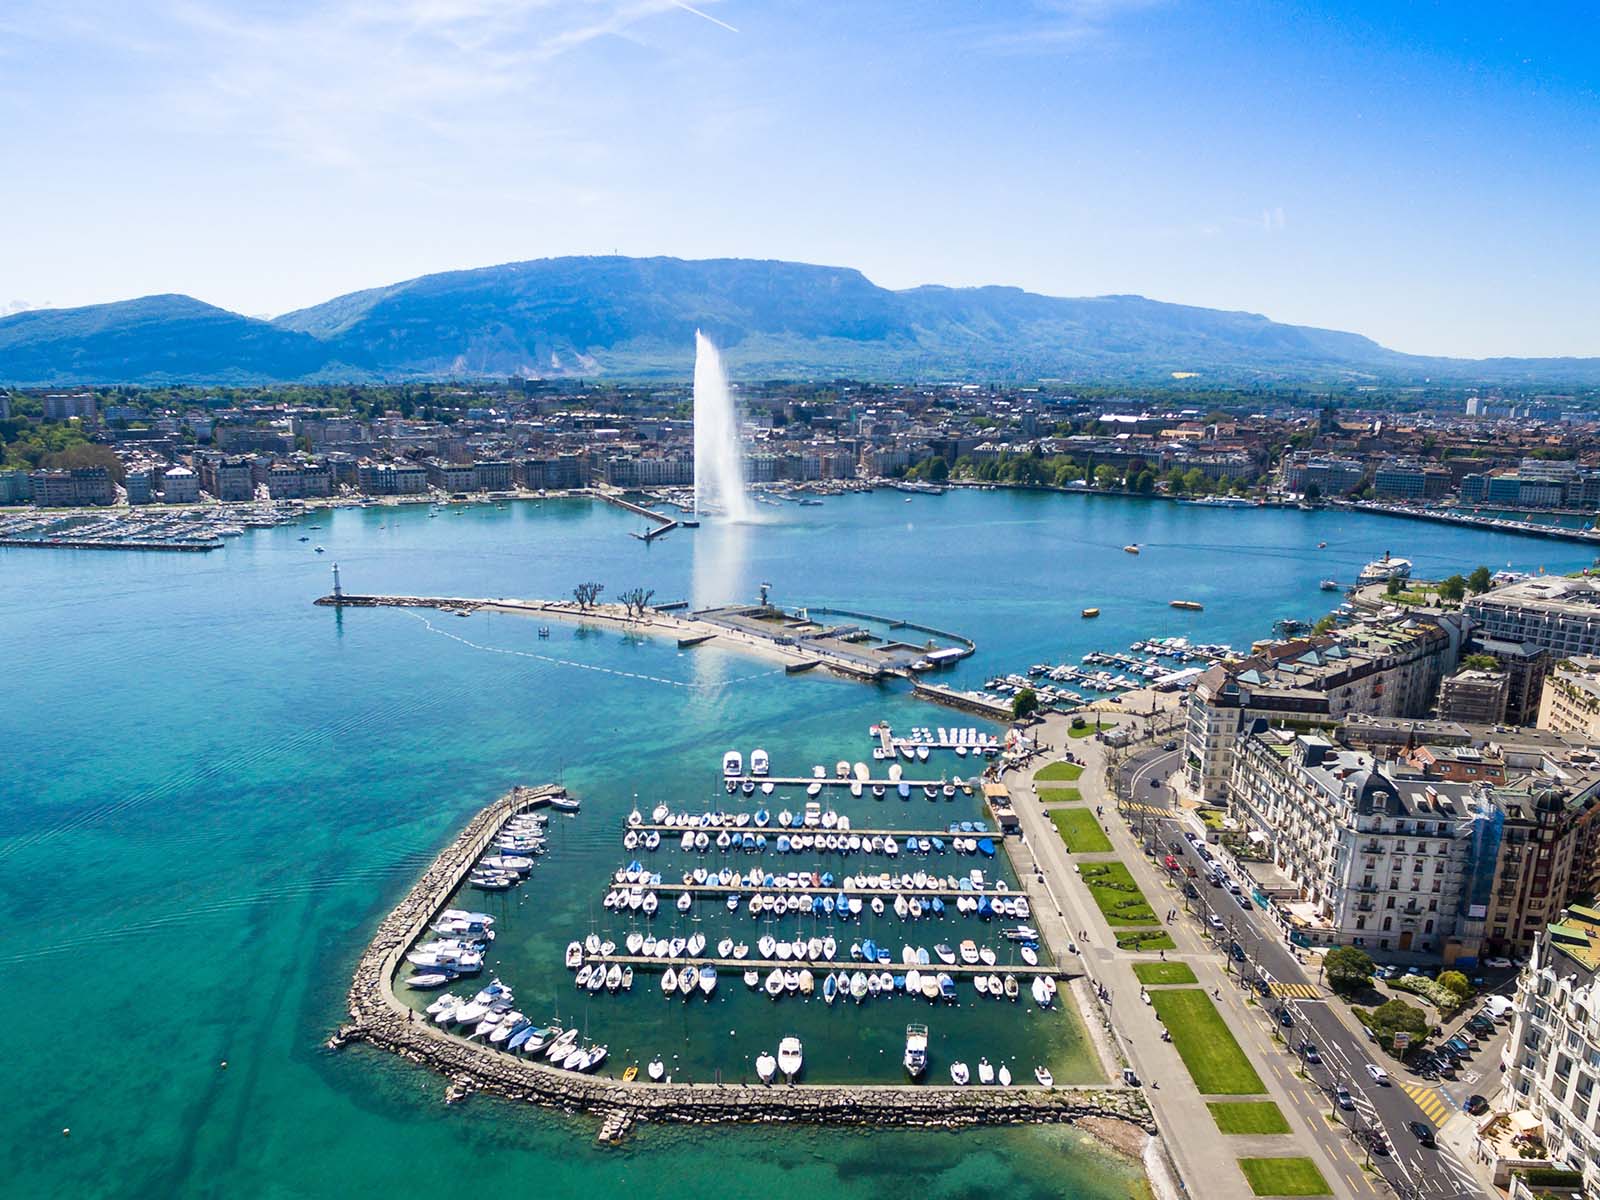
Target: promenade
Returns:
[1207, 1159]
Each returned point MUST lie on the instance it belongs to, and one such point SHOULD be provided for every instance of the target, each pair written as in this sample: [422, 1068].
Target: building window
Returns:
[1388, 924]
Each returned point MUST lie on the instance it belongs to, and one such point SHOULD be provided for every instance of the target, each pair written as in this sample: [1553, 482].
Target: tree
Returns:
[1313, 493]
[1396, 1016]
[1481, 662]
[586, 594]
[1025, 703]
[1394, 587]
[1453, 588]
[1105, 475]
[636, 600]
[1349, 969]
[1325, 625]
[1144, 483]
[1479, 581]
[1456, 983]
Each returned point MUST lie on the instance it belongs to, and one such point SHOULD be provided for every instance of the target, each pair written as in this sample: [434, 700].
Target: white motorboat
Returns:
[790, 1057]
[959, 1074]
[759, 763]
[428, 980]
[708, 979]
[1044, 1077]
[656, 1070]
[985, 1071]
[969, 952]
[1004, 1075]
[774, 983]
[766, 1067]
[916, 1056]
[1030, 956]
[732, 764]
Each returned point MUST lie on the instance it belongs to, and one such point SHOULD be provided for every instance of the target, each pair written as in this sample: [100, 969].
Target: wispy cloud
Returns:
[1054, 26]
[346, 82]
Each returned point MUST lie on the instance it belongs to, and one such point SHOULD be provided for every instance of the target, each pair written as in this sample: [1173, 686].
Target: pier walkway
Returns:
[813, 830]
[825, 965]
[835, 781]
[888, 893]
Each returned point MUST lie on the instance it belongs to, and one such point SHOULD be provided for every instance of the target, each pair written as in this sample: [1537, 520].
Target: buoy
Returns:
[66, 1133]
[224, 1064]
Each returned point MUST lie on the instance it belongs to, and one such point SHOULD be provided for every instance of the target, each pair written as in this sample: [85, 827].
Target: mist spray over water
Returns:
[718, 457]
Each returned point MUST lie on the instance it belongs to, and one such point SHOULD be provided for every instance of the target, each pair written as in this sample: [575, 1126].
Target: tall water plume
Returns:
[718, 457]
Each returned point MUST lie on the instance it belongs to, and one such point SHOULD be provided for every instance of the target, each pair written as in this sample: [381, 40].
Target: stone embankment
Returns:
[379, 1018]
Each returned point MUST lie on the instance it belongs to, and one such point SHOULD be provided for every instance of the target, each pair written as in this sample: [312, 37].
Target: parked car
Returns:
[1236, 952]
[1244, 901]
[1168, 747]
[1379, 1075]
[1476, 1105]
[1263, 989]
[1129, 1078]
[1233, 887]
[1215, 881]
[1216, 923]
[1497, 964]
[1191, 891]
[1285, 1018]
[1481, 1026]
[1311, 1054]
[1341, 1096]
[1175, 847]
[1422, 1131]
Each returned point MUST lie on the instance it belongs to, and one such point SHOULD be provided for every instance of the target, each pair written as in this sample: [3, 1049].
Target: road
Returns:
[1271, 964]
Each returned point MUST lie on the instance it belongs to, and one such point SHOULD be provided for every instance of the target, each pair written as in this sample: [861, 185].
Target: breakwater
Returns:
[380, 1019]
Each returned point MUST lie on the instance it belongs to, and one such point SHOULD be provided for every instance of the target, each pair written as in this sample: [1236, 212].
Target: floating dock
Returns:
[826, 966]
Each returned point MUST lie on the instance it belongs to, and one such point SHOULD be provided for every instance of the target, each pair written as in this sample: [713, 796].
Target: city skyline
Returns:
[1360, 170]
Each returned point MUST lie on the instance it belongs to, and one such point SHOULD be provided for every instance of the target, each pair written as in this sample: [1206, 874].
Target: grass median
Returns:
[1157, 973]
[1059, 772]
[1215, 1060]
[1116, 894]
[1080, 831]
[1248, 1116]
[1144, 939]
[1284, 1177]
[1049, 795]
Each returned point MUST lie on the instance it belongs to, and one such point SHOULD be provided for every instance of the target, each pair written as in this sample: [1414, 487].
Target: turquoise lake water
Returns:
[212, 791]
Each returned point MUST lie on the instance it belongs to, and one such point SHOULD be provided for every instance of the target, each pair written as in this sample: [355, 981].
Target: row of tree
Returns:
[635, 600]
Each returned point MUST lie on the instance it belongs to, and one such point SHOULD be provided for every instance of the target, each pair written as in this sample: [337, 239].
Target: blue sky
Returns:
[1425, 174]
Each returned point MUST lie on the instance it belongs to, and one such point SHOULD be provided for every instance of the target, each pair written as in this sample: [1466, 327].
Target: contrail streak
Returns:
[689, 8]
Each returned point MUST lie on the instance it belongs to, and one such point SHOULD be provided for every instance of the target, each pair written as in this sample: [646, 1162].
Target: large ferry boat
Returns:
[1381, 570]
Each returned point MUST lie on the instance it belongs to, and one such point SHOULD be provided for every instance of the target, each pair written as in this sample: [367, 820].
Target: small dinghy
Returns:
[656, 1070]
[985, 1071]
[959, 1074]
[766, 1067]
[1044, 1077]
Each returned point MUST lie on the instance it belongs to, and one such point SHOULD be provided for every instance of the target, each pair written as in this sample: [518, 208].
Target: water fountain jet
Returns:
[718, 457]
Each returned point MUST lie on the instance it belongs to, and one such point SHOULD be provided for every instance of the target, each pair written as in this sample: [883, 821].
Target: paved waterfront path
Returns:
[1207, 1159]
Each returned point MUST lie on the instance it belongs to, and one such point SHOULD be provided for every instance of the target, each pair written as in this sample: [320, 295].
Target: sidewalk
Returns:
[1206, 1159]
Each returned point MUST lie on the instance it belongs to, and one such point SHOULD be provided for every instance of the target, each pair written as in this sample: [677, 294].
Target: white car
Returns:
[1497, 964]
[1379, 1075]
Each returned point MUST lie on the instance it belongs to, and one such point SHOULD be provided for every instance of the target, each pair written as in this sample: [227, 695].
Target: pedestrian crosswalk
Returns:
[1296, 991]
[1147, 810]
[1434, 1106]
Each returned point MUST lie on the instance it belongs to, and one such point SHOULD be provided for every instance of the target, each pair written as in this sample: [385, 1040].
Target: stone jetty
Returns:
[379, 1018]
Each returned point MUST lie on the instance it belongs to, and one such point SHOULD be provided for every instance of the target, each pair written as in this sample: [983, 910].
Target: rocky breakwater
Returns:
[378, 1018]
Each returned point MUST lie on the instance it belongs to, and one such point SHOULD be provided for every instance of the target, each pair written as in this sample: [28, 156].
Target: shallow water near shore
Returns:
[212, 791]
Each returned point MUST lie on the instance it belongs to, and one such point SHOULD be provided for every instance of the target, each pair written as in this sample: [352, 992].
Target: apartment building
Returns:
[72, 487]
[179, 485]
[1383, 857]
[1558, 615]
[1382, 667]
[1552, 1058]
[1474, 696]
[1571, 699]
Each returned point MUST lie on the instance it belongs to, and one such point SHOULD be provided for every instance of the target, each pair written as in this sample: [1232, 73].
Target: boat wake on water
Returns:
[583, 666]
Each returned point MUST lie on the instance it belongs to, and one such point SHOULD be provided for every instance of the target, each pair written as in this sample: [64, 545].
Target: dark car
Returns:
[1263, 988]
[1191, 891]
[1236, 952]
[1175, 847]
[1476, 1105]
[1481, 1026]
[1461, 1046]
[1341, 1096]
[1422, 1131]
[1285, 1018]
[1311, 1054]
[1169, 747]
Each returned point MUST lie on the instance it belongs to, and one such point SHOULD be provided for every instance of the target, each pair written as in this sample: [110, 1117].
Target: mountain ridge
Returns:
[634, 318]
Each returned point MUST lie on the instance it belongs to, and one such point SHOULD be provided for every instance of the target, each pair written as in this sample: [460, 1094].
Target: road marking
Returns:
[1433, 1105]
[1299, 991]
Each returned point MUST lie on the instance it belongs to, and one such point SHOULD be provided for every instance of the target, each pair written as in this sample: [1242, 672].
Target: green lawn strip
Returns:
[1049, 795]
[1284, 1177]
[1144, 939]
[1116, 894]
[1089, 729]
[1063, 772]
[1207, 1046]
[1156, 973]
[1080, 831]
[1248, 1116]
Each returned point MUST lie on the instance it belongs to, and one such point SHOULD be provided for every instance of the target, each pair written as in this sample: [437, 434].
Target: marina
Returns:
[483, 1044]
